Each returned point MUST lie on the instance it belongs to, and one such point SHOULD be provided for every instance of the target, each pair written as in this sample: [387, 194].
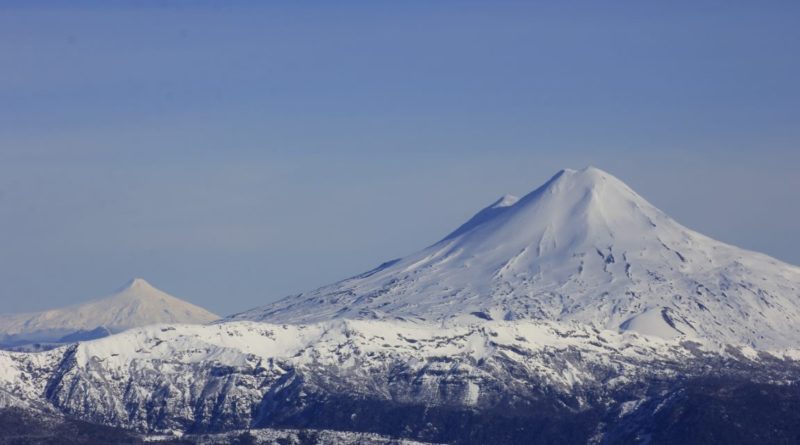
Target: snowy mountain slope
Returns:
[403, 379]
[136, 304]
[583, 247]
[236, 375]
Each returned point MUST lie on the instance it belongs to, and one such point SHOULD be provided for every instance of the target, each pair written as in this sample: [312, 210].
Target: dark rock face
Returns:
[715, 410]
[21, 427]
[540, 424]
[702, 410]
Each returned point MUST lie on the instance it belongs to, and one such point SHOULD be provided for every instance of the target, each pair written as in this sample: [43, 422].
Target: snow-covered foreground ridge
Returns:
[245, 374]
[583, 247]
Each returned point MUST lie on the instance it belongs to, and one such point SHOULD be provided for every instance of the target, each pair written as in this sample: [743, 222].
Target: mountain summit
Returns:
[583, 247]
[136, 304]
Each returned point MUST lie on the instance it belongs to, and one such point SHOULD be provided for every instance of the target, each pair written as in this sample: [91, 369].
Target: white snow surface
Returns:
[110, 374]
[164, 378]
[137, 304]
[583, 247]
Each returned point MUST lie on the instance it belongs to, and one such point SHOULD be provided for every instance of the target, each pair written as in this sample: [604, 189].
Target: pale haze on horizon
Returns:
[234, 155]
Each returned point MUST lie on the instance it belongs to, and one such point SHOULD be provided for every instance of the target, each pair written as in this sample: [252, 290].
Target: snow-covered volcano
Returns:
[583, 247]
[136, 304]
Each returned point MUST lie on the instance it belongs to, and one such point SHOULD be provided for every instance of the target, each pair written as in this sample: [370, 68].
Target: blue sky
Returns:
[235, 154]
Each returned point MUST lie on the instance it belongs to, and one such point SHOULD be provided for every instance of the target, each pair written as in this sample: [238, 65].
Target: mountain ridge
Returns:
[584, 247]
[135, 304]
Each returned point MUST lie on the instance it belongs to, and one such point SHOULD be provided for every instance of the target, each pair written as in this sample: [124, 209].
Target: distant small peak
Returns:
[561, 173]
[588, 170]
[496, 208]
[593, 171]
[137, 283]
[506, 200]
[588, 176]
